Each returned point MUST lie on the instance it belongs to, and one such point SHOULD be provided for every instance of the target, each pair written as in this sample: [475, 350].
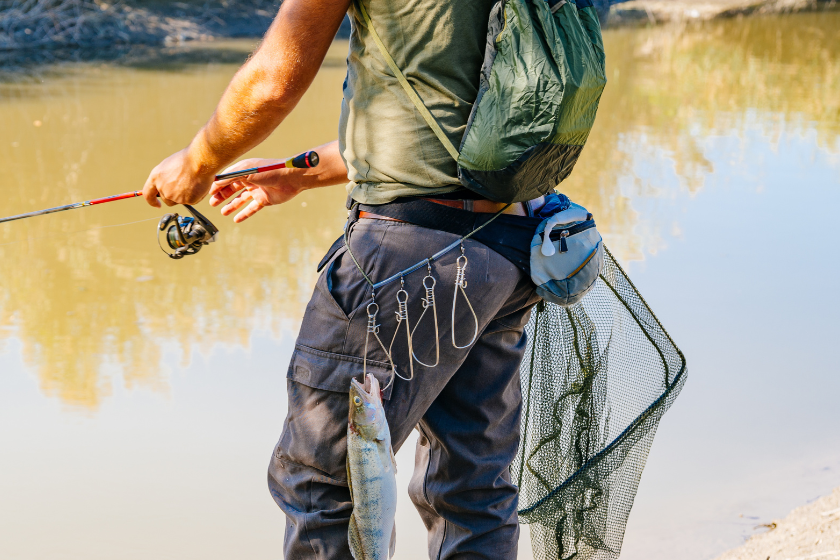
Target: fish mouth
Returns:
[360, 387]
[367, 387]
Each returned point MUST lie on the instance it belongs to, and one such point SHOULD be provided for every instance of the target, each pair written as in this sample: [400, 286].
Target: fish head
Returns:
[367, 417]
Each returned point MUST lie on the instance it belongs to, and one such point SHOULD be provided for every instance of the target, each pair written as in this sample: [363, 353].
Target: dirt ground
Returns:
[811, 532]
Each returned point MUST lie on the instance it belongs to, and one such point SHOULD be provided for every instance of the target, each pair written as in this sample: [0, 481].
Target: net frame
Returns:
[596, 379]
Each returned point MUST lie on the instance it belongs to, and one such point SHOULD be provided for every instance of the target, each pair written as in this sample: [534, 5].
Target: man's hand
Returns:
[277, 186]
[177, 180]
[261, 189]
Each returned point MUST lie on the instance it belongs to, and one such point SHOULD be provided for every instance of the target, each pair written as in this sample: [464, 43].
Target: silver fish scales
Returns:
[371, 473]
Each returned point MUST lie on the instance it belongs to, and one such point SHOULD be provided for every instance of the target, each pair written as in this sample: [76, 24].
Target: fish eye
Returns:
[357, 401]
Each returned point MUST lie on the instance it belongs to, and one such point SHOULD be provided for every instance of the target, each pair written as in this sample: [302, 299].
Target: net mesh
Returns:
[596, 379]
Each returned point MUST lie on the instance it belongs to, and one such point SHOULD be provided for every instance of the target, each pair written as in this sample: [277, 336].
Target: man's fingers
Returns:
[150, 193]
[220, 193]
[167, 201]
[219, 185]
[236, 203]
[249, 211]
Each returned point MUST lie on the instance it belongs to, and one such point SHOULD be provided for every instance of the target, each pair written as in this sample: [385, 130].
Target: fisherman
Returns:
[467, 409]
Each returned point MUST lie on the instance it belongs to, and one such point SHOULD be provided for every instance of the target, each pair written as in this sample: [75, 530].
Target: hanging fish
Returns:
[371, 473]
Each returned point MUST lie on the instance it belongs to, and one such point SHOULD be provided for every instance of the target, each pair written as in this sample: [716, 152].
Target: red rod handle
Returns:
[114, 197]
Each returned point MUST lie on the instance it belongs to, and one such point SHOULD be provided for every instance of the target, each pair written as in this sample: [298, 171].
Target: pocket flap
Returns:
[337, 244]
[332, 372]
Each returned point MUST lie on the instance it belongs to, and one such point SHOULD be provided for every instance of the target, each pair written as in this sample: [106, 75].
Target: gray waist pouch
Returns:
[567, 254]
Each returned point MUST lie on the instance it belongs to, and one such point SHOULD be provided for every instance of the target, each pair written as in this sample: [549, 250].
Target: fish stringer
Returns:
[429, 303]
[461, 284]
[402, 317]
[373, 329]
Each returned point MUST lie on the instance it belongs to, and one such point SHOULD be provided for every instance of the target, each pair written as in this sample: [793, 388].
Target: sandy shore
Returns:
[811, 532]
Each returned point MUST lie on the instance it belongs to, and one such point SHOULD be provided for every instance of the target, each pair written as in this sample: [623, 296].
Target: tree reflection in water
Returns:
[88, 304]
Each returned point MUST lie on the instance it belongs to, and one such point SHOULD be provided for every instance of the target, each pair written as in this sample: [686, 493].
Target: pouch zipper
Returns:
[562, 234]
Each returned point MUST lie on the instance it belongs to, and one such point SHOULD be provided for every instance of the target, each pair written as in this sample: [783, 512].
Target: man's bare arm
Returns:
[261, 94]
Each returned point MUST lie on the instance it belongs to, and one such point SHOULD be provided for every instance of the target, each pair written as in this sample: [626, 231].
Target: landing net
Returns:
[596, 379]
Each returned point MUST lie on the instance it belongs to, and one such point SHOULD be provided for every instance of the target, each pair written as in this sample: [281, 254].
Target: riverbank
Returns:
[811, 532]
[56, 24]
[664, 11]
[32, 24]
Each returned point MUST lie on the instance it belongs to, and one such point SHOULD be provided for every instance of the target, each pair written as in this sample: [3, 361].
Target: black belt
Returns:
[508, 235]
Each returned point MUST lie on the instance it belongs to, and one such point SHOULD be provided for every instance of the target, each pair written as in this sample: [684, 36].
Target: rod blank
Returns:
[93, 202]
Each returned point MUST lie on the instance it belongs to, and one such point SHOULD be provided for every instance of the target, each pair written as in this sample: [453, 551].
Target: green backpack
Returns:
[540, 84]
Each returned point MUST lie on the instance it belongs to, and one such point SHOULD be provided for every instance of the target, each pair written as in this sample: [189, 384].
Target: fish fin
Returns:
[347, 467]
[350, 482]
[393, 547]
[393, 459]
[354, 539]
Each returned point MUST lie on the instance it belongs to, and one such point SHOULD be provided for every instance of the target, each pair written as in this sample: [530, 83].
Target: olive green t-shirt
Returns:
[388, 148]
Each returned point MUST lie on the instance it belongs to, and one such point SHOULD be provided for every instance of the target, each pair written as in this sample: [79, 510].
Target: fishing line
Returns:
[52, 236]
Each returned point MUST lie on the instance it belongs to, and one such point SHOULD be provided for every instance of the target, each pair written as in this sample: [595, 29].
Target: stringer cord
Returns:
[374, 328]
[419, 264]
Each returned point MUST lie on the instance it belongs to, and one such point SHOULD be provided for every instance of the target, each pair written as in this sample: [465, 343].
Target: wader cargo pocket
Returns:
[332, 372]
[327, 351]
[326, 320]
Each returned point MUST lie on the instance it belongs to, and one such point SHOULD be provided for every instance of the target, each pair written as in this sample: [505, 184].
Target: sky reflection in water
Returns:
[140, 397]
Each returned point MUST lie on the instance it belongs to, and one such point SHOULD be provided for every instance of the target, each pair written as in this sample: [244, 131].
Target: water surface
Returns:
[140, 397]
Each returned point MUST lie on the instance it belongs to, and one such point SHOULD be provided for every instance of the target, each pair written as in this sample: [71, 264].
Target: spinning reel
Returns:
[185, 235]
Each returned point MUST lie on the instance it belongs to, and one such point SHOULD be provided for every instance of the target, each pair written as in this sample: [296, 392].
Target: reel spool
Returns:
[185, 235]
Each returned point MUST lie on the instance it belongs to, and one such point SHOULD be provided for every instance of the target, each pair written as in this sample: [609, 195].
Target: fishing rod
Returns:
[184, 235]
[93, 202]
[303, 161]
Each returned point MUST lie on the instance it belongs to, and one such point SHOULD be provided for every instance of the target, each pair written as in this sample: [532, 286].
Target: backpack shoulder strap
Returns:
[424, 112]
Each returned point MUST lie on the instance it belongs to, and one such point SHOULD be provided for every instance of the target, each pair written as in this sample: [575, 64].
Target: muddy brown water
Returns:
[140, 397]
